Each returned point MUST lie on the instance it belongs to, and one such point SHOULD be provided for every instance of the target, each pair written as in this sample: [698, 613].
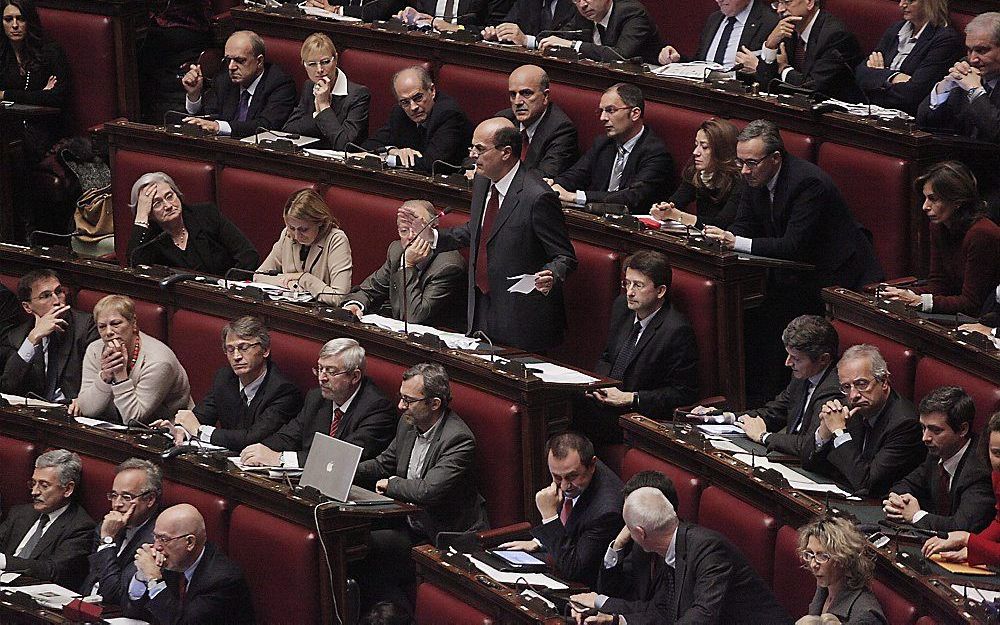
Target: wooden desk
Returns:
[11, 118]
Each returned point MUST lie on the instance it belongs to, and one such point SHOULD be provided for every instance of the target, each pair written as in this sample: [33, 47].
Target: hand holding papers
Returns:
[525, 283]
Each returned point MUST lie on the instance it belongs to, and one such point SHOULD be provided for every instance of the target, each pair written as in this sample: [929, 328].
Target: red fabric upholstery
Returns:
[794, 588]
[797, 144]
[751, 530]
[897, 609]
[296, 357]
[18, 458]
[932, 373]
[254, 201]
[695, 296]
[370, 224]
[688, 485]
[480, 93]
[677, 127]
[901, 359]
[867, 19]
[856, 172]
[374, 70]
[612, 454]
[281, 563]
[195, 179]
[94, 97]
[287, 54]
[959, 21]
[196, 340]
[926, 620]
[581, 106]
[98, 478]
[589, 293]
[152, 317]
[214, 508]
[435, 607]
[10, 282]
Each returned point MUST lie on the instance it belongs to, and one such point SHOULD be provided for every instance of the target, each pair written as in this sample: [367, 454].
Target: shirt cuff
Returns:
[359, 304]
[434, 243]
[610, 557]
[784, 72]
[192, 107]
[581, 198]
[888, 80]
[599, 601]
[156, 588]
[530, 42]
[205, 433]
[743, 244]
[106, 546]
[768, 55]
[918, 515]
[937, 99]
[843, 438]
[290, 459]
[550, 519]
[390, 160]
[576, 45]
[224, 129]
[136, 589]
[763, 438]
[3, 561]
[926, 302]
[26, 351]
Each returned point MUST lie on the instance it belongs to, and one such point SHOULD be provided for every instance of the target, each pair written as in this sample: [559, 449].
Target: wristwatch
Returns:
[108, 540]
[838, 432]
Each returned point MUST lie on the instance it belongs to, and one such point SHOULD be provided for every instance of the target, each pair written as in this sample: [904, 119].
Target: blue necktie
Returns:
[244, 108]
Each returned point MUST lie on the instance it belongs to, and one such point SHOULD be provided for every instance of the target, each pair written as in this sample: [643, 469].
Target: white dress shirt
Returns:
[224, 128]
[734, 38]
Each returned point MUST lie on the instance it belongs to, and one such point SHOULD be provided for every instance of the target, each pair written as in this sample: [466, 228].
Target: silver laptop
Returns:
[330, 466]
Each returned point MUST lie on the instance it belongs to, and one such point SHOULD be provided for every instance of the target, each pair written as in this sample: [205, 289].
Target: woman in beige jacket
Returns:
[312, 253]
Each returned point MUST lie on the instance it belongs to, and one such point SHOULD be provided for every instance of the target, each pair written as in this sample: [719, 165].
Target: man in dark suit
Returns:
[49, 539]
[952, 489]
[247, 95]
[548, 136]
[46, 352]
[527, 19]
[873, 439]
[580, 509]
[700, 576]
[651, 348]
[442, 15]
[431, 463]
[737, 24]
[630, 165]
[808, 48]
[434, 288]
[135, 501]
[250, 399]
[424, 126]
[967, 100]
[332, 108]
[786, 424]
[516, 228]
[182, 578]
[611, 31]
[347, 405]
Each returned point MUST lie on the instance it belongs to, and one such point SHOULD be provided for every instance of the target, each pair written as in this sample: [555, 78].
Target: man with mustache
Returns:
[871, 439]
[548, 136]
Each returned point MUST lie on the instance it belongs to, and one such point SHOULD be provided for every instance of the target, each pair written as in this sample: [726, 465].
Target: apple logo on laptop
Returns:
[329, 467]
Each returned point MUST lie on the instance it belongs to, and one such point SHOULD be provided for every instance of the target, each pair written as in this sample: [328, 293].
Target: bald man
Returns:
[182, 578]
[548, 136]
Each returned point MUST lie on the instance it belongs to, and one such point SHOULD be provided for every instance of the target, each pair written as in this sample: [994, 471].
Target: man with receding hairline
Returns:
[548, 136]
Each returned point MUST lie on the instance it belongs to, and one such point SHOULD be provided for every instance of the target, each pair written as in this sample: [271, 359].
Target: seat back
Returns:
[680, 23]
[580, 105]
[688, 485]
[287, 54]
[435, 606]
[374, 70]
[19, 463]
[589, 293]
[677, 127]
[932, 373]
[255, 202]
[695, 296]
[370, 224]
[296, 357]
[479, 92]
[152, 317]
[867, 19]
[98, 479]
[196, 341]
[213, 508]
[752, 530]
[793, 588]
[797, 144]
[897, 609]
[901, 359]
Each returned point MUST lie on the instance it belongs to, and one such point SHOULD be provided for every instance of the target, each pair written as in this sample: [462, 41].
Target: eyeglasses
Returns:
[168, 197]
[162, 540]
[820, 558]
[46, 295]
[611, 110]
[480, 149]
[629, 284]
[330, 372]
[775, 5]
[416, 98]
[409, 401]
[752, 163]
[327, 62]
[128, 498]
[862, 384]
[240, 347]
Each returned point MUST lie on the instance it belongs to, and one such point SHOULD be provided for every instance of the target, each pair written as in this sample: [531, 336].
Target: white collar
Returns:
[815, 379]
[189, 571]
[430, 431]
[347, 404]
[251, 389]
[340, 85]
[256, 81]
[742, 16]
[628, 145]
[773, 182]
[607, 16]
[503, 185]
[671, 557]
[534, 125]
[951, 464]
[55, 514]
[808, 29]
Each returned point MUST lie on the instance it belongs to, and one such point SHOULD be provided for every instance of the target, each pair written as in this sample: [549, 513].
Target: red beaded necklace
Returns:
[135, 354]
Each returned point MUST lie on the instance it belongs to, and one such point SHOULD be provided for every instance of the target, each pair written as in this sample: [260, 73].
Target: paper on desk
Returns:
[720, 428]
[531, 579]
[453, 340]
[525, 283]
[334, 154]
[551, 372]
[724, 445]
[97, 423]
[6, 578]
[961, 568]
[49, 595]
[17, 400]
[125, 621]
[275, 292]
[976, 594]
[695, 70]
[875, 110]
[795, 479]
[318, 12]
[271, 471]
[274, 134]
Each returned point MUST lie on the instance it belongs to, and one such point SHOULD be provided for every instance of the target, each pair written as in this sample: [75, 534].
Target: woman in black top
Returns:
[33, 70]
[168, 232]
[711, 180]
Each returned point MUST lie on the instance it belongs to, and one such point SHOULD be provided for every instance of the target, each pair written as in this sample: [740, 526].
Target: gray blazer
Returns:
[852, 607]
[346, 121]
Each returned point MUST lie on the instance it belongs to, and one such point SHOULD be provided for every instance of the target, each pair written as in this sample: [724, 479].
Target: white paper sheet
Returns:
[275, 292]
[975, 594]
[51, 596]
[695, 70]
[720, 428]
[270, 471]
[17, 400]
[125, 621]
[724, 445]
[334, 154]
[7, 578]
[532, 579]
[318, 12]
[453, 340]
[274, 134]
[97, 423]
[551, 372]
[525, 283]
[795, 479]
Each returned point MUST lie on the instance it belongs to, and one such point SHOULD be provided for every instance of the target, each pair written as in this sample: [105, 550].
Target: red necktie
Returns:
[524, 144]
[492, 208]
[182, 588]
[338, 414]
[567, 509]
[799, 54]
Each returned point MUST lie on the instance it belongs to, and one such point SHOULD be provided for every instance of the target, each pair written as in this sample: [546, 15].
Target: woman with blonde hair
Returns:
[312, 253]
[128, 374]
[835, 552]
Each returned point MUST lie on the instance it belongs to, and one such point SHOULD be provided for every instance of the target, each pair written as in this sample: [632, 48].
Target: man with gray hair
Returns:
[249, 400]
[49, 539]
[966, 100]
[696, 575]
[872, 439]
[246, 95]
[347, 405]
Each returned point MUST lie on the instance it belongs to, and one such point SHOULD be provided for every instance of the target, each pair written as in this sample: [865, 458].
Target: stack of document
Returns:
[531, 579]
[330, 15]
[17, 400]
[795, 479]
[695, 70]
[275, 292]
[270, 471]
[271, 135]
[453, 340]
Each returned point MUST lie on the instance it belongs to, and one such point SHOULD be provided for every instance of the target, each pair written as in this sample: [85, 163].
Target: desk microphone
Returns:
[493, 352]
[131, 258]
[262, 272]
[899, 529]
[456, 168]
[635, 59]
[57, 235]
[402, 262]
[839, 56]
[725, 70]
[136, 423]
[170, 280]
[350, 144]
[567, 33]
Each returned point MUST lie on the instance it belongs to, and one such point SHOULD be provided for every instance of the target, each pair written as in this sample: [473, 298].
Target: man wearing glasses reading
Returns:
[347, 405]
[250, 399]
[46, 352]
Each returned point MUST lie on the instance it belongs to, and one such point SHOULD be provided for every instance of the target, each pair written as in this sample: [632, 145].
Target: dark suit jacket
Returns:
[112, 568]
[831, 56]
[215, 244]
[276, 402]
[760, 22]
[893, 450]
[434, 290]
[272, 102]
[937, 49]
[217, 593]
[663, 367]
[472, 13]
[66, 351]
[810, 223]
[648, 176]
[449, 134]
[446, 489]
[369, 423]
[577, 549]
[532, 19]
[630, 32]
[553, 149]
[976, 119]
[713, 584]
[972, 500]
[854, 607]
[346, 121]
[779, 413]
[61, 554]
[529, 234]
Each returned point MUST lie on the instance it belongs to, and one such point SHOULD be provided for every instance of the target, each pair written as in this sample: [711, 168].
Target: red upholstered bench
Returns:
[18, 459]
[287, 54]
[793, 586]
[374, 70]
[751, 530]
[677, 127]
[370, 223]
[436, 607]
[867, 19]
[797, 144]
[695, 296]
[196, 180]
[932, 373]
[254, 201]
[688, 485]
[897, 608]
[479, 92]
[580, 105]
[213, 507]
[901, 359]
[588, 293]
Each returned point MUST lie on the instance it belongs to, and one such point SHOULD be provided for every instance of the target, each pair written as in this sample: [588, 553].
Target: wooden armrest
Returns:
[497, 535]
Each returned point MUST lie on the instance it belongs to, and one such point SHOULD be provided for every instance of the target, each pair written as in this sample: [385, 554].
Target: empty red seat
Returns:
[932, 373]
[370, 223]
[19, 463]
[196, 340]
[901, 359]
[214, 508]
[296, 356]
[580, 105]
[152, 316]
[680, 23]
[98, 479]
[793, 586]
[281, 562]
[926, 620]
[695, 296]
[867, 19]
[589, 293]
[287, 54]
[751, 530]
[374, 70]
[254, 201]
[435, 606]
[897, 609]
[688, 485]
[479, 92]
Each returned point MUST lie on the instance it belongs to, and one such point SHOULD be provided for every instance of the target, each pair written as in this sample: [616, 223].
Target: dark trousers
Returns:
[387, 572]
